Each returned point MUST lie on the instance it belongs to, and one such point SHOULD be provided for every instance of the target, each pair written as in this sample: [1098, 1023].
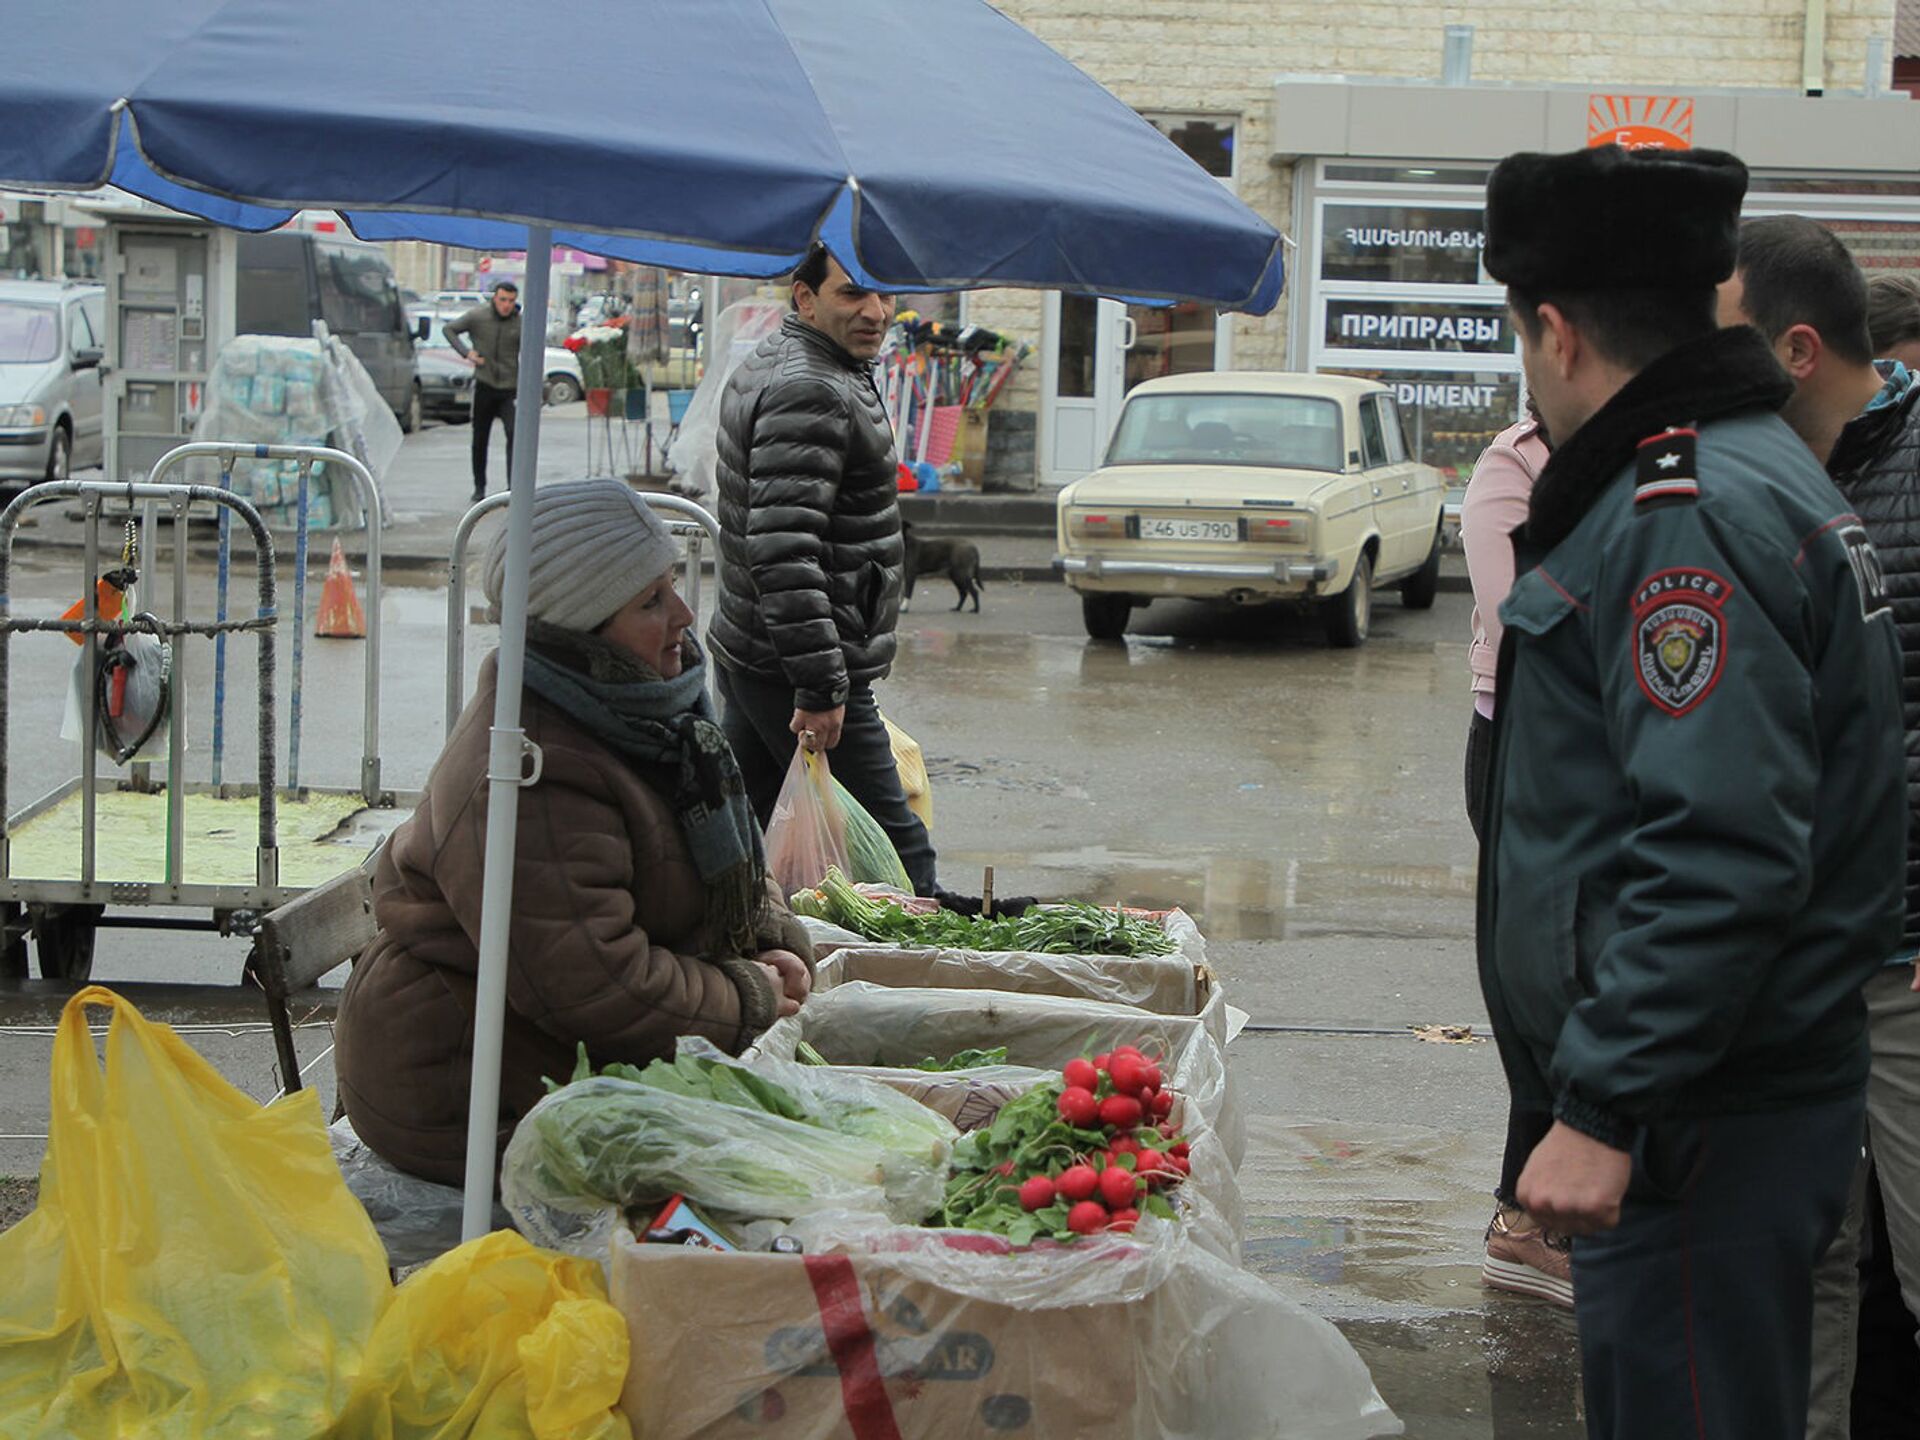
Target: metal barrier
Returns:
[697, 524]
[306, 456]
[91, 627]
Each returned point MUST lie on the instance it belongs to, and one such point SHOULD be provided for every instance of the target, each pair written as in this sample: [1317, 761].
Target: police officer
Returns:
[1696, 830]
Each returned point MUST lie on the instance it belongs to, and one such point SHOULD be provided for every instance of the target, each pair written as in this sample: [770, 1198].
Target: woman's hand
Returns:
[795, 982]
[784, 1004]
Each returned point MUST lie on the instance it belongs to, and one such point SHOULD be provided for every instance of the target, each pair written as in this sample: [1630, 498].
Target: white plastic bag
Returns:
[132, 680]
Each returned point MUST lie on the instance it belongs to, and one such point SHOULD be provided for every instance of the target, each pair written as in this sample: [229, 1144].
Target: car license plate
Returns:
[1152, 528]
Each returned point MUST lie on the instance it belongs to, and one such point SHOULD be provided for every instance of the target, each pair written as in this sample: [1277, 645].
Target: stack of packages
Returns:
[983, 1182]
[276, 390]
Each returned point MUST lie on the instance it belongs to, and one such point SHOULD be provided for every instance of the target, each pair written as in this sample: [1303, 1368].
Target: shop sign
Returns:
[1411, 244]
[1640, 122]
[1414, 325]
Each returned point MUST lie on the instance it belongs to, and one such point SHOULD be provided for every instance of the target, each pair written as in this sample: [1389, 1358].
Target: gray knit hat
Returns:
[596, 545]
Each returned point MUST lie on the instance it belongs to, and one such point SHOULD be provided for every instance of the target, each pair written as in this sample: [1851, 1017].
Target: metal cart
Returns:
[177, 844]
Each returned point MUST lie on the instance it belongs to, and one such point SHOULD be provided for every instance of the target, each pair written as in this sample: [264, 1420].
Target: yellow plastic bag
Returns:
[912, 766]
[496, 1340]
[196, 1267]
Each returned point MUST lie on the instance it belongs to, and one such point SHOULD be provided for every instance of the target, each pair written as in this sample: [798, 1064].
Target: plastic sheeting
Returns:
[417, 1220]
[884, 1033]
[738, 329]
[600, 1147]
[285, 390]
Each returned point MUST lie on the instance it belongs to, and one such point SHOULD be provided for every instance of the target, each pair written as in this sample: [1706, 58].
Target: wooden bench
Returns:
[308, 937]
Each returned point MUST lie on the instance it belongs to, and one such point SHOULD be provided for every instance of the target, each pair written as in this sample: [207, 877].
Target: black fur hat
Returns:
[1614, 219]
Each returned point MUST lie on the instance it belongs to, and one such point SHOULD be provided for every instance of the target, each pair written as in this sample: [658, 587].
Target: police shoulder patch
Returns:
[1664, 470]
[1679, 636]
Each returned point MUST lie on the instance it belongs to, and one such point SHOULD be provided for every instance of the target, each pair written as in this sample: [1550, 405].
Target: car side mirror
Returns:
[88, 357]
[423, 328]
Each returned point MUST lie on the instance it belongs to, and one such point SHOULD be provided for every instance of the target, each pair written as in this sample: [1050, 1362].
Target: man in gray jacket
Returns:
[811, 553]
[494, 330]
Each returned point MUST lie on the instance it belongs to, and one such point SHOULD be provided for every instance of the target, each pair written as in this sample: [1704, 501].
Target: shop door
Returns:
[1088, 379]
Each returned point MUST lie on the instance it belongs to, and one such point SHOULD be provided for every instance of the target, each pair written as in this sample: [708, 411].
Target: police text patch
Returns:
[1679, 636]
[1867, 573]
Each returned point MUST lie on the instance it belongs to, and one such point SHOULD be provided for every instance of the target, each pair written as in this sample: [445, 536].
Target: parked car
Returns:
[52, 363]
[445, 382]
[290, 278]
[1253, 487]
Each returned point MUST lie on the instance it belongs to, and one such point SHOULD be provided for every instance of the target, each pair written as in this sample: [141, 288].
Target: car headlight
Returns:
[14, 416]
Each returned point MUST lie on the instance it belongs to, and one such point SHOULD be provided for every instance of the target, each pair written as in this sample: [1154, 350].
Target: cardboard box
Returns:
[899, 1342]
[727, 1347]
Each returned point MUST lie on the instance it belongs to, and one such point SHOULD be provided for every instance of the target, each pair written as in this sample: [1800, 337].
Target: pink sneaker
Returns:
[1523, 1259]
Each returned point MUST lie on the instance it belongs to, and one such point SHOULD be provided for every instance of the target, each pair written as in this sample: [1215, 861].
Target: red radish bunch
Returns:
[1121, 1096]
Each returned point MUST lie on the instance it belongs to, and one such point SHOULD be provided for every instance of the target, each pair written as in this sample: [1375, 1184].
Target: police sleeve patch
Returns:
[1679, 636]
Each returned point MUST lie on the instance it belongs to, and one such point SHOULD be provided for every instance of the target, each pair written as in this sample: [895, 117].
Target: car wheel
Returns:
[563, 390]
[1418, 590]
[1349, 614]
[60, 454]
[1106, 615]
[410, 418]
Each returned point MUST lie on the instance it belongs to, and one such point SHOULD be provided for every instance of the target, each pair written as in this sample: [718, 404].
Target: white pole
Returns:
[506, 758]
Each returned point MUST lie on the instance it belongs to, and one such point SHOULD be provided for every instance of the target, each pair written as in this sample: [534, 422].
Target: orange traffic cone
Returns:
[340, 615]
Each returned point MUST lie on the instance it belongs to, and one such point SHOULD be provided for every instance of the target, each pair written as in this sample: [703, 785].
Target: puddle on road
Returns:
[1231, 897]
[1379, 1229]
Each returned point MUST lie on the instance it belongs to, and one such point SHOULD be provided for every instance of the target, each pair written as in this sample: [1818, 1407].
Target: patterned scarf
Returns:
[641, 715]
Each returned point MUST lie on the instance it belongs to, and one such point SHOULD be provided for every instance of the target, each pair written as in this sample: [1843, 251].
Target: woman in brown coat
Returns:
[641, 905]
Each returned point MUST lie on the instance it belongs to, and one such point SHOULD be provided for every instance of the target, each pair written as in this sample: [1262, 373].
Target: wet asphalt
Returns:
[1304, 803]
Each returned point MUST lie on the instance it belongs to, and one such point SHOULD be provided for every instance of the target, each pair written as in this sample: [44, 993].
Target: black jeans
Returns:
[1696, 1312]
[490, 401]
[755, 714]
[1525, 1128]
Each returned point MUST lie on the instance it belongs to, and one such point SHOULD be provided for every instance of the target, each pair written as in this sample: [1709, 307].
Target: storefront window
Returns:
[83, 252]
[1449, 416]
[1079, 320]
[1170, 340]
[1408, 174]
[1208, 143]
[1371, 324]
[1406, 244]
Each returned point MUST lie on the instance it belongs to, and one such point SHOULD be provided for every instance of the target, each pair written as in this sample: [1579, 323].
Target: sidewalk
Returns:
[428, 489]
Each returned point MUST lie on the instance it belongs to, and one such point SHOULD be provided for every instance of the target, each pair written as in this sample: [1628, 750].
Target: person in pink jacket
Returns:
[1521, 1256]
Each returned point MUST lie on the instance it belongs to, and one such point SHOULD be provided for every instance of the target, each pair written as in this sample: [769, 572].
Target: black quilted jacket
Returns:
[1877, 467]
[810, 548]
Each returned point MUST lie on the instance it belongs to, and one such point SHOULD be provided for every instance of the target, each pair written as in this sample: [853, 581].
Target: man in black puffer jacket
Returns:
[811, 553]
[1799, 287]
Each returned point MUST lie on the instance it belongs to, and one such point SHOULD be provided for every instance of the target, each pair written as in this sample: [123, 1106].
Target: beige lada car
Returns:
[1250, 487]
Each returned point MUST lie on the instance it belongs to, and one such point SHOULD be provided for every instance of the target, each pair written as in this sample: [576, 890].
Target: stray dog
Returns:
[958, 560]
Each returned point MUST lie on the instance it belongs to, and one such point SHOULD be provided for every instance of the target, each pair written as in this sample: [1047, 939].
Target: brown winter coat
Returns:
[608, 933]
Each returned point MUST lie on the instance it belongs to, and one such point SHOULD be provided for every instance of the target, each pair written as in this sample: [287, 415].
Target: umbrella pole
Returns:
[506, 758]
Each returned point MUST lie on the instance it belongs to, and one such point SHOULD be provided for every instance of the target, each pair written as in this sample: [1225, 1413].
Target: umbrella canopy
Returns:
[933, 144]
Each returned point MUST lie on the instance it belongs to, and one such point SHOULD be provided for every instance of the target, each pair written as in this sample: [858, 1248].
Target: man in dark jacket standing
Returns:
[494, 352]
[1693, 856]
[811, 553]
[1797, 285]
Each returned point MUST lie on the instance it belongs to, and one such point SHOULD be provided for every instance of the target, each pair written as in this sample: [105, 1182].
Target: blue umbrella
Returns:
[933, 144]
